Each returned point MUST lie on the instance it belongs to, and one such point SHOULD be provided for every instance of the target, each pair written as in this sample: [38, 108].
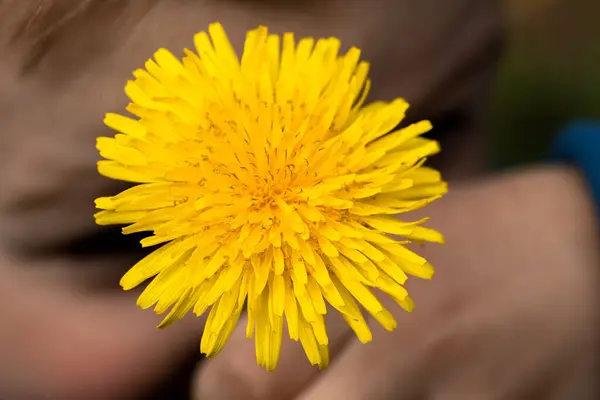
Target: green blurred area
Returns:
[550, 74]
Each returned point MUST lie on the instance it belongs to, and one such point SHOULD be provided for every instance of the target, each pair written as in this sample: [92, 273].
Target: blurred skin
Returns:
[483, 328]
[59, 342]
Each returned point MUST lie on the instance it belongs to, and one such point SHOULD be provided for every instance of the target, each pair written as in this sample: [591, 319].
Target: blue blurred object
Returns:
[579, 143]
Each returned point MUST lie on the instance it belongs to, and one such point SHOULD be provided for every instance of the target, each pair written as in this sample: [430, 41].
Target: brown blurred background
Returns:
[550, 74]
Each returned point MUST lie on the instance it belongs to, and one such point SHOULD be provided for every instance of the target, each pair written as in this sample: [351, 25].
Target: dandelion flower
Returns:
[270, 188]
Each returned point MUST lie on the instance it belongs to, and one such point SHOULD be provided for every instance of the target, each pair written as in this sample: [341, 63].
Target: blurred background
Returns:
[550, 74]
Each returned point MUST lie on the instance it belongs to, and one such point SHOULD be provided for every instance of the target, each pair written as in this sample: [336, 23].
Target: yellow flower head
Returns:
[268, 184]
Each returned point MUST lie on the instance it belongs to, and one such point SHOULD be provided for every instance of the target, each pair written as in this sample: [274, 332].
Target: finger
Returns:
[388, 366]
[408, 362]
[237, 363]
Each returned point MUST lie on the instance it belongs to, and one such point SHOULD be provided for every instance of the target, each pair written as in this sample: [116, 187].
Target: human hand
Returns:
[511, 313]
